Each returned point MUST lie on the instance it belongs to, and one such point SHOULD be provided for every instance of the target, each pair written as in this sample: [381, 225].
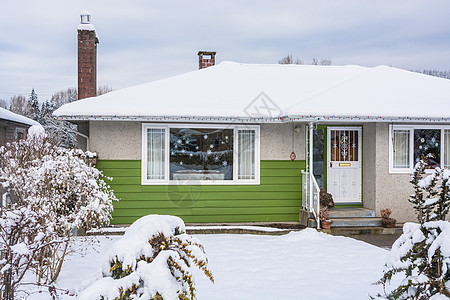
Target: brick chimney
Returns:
[87, 57]
[206, 59]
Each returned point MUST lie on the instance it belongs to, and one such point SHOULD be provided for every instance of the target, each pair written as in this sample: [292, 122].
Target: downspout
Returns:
[84, 136]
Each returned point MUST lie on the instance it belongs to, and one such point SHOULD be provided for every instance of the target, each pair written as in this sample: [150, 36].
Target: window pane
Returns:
[401, 149]
[447, 148]
[246, 160]
[155, 153]
[344, 145]
[201, 154]
[428, 141]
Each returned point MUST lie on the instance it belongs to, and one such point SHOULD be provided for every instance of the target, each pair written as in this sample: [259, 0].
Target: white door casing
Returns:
[344, 161]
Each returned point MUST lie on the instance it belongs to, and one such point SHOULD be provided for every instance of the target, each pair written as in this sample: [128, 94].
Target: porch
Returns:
[334, 164]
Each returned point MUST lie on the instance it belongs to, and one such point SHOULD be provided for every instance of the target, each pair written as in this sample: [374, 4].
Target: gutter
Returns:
[259, 120]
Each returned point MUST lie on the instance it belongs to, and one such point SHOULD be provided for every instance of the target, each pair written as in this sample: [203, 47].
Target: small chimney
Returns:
[87, 57]
[206, 59]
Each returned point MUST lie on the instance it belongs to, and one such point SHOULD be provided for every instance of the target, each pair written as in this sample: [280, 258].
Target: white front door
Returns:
[344, 164]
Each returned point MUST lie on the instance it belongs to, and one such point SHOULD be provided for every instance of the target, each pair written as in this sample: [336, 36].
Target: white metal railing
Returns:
[311, 195]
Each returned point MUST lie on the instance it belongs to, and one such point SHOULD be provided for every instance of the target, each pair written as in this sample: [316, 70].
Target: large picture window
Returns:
[200, 154]
[411, 143]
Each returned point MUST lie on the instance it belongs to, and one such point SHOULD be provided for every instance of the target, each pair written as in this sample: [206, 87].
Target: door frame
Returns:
[361, 157]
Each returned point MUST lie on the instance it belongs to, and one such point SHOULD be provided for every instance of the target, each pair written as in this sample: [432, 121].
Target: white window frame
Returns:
[411, 129]
[166, 181]
[144, 160]
[22, 131]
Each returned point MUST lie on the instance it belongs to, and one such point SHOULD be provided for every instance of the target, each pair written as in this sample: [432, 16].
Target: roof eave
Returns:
[260, 119]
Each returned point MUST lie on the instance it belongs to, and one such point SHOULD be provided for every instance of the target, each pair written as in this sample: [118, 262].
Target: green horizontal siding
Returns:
[276, 199]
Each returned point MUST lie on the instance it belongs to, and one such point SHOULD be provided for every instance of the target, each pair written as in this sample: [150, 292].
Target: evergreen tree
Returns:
[60, 132]
[436, 73]
[420, 256]
[33, 106]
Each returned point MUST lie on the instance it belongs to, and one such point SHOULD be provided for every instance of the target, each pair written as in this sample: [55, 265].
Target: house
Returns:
[249, 142]
[231, 142]
[13, 126]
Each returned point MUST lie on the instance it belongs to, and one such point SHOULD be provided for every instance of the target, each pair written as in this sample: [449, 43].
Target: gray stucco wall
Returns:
[122, 140]
[115, 140]
[277, 144]
[382, 189]
[369, 166]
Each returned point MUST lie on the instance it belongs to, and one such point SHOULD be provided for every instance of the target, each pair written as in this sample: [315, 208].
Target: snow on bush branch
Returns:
[420, 257]
[57, 182]
[151, 261]
[60, 188]
[22, 237]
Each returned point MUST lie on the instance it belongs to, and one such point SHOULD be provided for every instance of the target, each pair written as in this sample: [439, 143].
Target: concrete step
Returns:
[350, 222]
[351, 212]
[356, 222]
[350, 231]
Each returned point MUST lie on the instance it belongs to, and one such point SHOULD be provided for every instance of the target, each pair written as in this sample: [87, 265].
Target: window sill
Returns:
[407, 172]
[201, 182]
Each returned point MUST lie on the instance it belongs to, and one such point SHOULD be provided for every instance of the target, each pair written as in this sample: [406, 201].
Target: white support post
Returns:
[310, 163]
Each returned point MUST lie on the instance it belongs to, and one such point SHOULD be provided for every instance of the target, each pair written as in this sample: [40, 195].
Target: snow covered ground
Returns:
[300, 265]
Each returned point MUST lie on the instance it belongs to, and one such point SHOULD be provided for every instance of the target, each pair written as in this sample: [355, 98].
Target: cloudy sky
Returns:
[143, 40]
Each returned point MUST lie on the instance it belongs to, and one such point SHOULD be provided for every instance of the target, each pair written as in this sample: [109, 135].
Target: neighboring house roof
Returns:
[232, 91]
[12, 117]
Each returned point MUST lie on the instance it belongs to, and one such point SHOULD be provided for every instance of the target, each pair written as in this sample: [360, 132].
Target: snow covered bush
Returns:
[421, 255]
[22, 237]
[60, 187]
[153, 260]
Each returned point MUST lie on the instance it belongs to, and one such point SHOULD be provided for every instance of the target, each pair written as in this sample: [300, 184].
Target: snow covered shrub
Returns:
[60, 186]
[151, 261]
[22, 237]
[421, 255]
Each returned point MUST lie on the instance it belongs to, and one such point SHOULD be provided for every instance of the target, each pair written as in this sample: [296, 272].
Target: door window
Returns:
[344, 145]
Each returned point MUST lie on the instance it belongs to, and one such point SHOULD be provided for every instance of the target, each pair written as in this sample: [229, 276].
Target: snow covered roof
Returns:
[231, 92]
[10, 116]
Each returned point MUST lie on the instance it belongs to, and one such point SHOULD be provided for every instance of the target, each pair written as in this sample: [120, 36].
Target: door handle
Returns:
[331, 164]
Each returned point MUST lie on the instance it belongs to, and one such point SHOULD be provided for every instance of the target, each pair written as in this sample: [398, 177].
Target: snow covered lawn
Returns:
[300, 265]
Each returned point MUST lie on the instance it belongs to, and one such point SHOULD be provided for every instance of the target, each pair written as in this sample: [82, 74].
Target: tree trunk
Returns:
[9, 290]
